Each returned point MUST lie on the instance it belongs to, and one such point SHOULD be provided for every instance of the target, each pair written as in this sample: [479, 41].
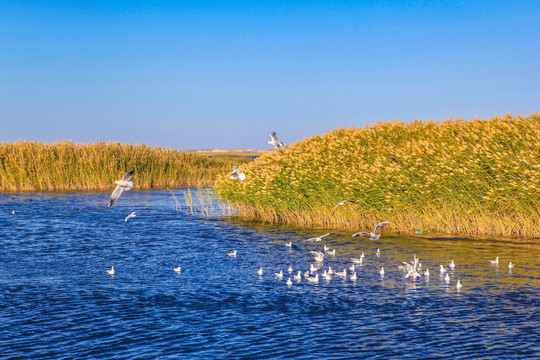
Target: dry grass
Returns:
[479, 177]
[34, 166]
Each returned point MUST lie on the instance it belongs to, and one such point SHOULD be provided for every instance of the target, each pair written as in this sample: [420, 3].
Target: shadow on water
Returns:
[57, 301]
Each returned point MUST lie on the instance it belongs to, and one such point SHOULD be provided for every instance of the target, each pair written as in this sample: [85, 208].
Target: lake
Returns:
[57, 300]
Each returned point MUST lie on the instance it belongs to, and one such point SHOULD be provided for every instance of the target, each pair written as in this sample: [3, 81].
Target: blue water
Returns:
[57, 301]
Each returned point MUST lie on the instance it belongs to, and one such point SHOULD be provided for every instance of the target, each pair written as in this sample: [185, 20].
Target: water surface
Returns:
[57, 301]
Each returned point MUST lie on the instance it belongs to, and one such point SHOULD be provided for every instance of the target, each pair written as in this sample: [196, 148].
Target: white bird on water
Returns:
[318, 238]
[442, 270]
[426, 273]
[275, 142]
[314, 280]
[382, 271]
[130, 216]
[298, 277]
[289, 244]
[289, 282]
[290, 269]
[447, 278]
[279, 275]
[110, 271]
[412, 269]
[341, 204]
[177, 269]
[452, 265]
[236, 175]
[125, 184]
[319, 256]
[494, 262]
[511, 265]
[353, 276]
[232, 254]
[372, 235]
[260, 271]
[459, 284]
[378, 253]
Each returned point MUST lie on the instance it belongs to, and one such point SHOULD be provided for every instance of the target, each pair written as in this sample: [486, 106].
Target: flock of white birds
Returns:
[412, 269]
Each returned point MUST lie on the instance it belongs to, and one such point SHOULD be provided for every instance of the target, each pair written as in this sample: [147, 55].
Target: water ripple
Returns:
[56, 300]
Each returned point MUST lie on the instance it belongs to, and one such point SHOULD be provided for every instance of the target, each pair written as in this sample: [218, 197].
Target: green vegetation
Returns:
[479, 177]
[33, 166]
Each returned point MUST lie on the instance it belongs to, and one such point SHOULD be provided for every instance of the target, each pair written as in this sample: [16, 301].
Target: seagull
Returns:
[313, 268]
[289, 282]
[232, 254]
[412, 270]
[378, 253]
[452, 265]
[298, 277]
[319, 238]
[327, 275]
[289, 244]
[319, 256]
[342, 274]
[177, 270]
[511, 265]
[331, 252]
[442, 270]
[122, 185]
[111, 271]
[426, 273]
[130, 216]
[459, 284]
[290, 270]
[382, 271]
[341, 204]
[314, 280]
[279, 275]
[357, 261]
[353, 276]
[235, 175]
[260, 271]
[494, 262]
[275, 142]
[352, 268]
[447, 278]
[373, 235]
[13, 212]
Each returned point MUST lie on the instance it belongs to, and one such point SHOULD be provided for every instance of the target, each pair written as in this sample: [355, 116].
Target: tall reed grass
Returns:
[33, 166]
[479, 177]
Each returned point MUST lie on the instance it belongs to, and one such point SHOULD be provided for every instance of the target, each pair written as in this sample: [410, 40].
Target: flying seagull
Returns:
[275, 142]
[341, 204]
[373, 235]
[237, 175]
[130, 216]
[122, 185]
[319, 238]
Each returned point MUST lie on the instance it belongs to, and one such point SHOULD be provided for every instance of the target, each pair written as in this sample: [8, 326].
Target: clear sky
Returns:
[224, 74]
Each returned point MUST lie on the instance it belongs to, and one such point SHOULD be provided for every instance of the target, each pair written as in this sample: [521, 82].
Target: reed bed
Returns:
[62, 166]
[478, 177]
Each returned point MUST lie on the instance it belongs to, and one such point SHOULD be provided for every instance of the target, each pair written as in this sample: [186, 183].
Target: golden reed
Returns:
[60, 166]
[478, 177]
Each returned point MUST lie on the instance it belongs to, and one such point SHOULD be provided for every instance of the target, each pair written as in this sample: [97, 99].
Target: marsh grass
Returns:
[203, 203]
[60, 166]
[479, 177]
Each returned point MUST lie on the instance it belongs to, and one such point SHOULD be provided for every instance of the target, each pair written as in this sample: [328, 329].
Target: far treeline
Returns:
[478, 177]
[62, 166]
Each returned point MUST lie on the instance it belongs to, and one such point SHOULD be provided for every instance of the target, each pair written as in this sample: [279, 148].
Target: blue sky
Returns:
[224, 74]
